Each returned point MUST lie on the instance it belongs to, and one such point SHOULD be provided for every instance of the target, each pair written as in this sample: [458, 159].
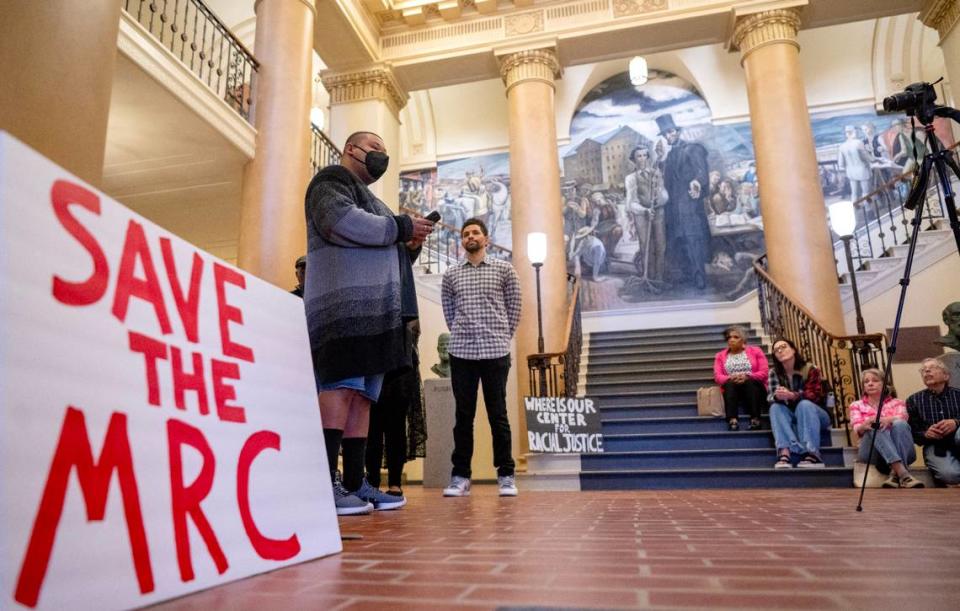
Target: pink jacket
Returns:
[758, 365]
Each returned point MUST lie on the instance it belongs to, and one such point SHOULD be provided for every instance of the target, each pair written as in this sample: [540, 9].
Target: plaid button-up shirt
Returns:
[927, 408]
[481, 304]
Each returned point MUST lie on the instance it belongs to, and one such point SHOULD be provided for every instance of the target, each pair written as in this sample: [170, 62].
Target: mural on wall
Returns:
[477, 187]
[660, 205]
[418, 190]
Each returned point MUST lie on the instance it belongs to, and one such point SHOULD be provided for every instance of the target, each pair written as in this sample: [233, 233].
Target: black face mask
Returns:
[375, 162]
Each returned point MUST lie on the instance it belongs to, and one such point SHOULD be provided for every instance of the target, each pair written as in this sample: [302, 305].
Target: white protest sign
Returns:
[160, 432]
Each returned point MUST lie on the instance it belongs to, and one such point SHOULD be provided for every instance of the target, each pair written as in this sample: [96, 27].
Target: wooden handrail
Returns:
[571, 310]
[841, 358]
[760, 271]
[554, 374]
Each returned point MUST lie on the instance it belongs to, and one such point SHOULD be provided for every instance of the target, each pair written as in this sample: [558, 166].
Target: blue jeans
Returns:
[944, 468]
[893, 444]
[798, 430]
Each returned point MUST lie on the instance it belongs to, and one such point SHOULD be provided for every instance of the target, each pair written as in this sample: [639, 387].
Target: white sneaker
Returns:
[507, 485]
[459, 486]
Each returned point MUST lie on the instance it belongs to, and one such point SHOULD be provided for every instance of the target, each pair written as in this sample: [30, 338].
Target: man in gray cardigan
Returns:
[358, 296]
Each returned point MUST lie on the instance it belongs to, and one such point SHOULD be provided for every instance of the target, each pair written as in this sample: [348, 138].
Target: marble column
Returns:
[56, 76]
[536, 201]
[369, 100]
[272, 226]
[794, 215]
[944, 17]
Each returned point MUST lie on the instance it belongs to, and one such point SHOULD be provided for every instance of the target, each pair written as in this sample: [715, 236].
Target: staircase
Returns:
[646, 382]
[879, 274]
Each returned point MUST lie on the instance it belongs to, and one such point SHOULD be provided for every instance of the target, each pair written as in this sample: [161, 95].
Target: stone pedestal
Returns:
[439, 405]
[952, 361]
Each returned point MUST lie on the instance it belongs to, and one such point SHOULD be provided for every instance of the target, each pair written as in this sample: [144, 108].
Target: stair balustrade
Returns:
[881, 222]
[841, 358]
[323, 151]
[202, 43]
[555, 374]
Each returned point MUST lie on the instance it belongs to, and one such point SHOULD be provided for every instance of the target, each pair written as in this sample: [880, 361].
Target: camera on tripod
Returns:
[918, 99]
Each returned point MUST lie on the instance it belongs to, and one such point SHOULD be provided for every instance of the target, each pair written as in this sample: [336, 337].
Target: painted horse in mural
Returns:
[499, 195]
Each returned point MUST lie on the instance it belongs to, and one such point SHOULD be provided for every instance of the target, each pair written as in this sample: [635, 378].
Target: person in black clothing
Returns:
[399, 408]
[300, 269]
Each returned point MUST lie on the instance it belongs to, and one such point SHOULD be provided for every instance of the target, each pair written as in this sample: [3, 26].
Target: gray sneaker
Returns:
[459, 486]
[381, 500]
[348, 504]
[507, 485]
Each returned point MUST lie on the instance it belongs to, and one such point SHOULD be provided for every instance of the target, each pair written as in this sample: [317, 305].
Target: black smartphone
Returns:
[434, 216]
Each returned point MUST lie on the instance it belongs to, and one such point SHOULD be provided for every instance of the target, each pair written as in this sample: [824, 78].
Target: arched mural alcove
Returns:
[660, 205]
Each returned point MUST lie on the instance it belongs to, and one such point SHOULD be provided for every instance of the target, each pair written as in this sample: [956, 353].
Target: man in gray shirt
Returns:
[481, 304]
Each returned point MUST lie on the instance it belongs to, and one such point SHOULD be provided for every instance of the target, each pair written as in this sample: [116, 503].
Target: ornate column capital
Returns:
[370, 83]
[940, 15]
[757, 30]
[518, 66]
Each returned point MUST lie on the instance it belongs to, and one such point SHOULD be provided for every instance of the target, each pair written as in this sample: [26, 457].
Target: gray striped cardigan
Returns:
[359, 282]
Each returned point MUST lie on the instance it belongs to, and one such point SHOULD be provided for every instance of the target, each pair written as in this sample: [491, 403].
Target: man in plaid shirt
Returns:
[481, 304]
[935, 419]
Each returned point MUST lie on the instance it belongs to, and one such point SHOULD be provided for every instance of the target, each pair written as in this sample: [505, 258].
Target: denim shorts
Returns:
[369, 386]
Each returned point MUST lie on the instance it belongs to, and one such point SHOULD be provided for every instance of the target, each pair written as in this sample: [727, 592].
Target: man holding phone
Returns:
[358, 297]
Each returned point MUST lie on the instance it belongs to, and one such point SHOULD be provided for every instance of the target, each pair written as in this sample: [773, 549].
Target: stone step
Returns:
[746, 458]
[670, 479]
[664, 340]
[711, 330]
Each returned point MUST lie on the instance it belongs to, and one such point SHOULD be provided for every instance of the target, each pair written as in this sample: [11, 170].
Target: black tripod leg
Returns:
[918, 195]
[949, 197]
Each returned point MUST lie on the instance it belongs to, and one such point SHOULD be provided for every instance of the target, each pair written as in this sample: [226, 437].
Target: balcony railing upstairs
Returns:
[841, 358]
[323, 151]
[556, 374]
[202, 43]
[881, 223]
[443, 248]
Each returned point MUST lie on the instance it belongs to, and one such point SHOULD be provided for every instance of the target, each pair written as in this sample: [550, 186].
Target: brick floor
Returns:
[731, 549]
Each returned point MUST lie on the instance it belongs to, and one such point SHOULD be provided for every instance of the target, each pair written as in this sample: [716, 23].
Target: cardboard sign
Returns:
[161, 433]
[563, 425]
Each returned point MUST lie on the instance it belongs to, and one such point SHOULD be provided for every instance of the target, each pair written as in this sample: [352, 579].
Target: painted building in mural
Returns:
[661, 206]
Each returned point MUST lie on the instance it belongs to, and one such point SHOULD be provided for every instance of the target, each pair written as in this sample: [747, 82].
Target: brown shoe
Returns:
[891, 482]
[911, 482]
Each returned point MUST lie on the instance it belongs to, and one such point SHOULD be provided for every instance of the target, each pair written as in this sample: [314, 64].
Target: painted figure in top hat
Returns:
[686, 177]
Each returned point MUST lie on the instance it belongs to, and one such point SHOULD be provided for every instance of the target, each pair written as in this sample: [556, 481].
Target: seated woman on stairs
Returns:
[741, 371]
[894, 445]
[796, 415]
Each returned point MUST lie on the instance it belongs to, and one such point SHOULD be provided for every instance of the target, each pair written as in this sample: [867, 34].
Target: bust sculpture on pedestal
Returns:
[951, 318]
[442, 368]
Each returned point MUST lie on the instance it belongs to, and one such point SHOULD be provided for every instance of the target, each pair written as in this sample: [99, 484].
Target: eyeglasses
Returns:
[929, 369]
[781, 347]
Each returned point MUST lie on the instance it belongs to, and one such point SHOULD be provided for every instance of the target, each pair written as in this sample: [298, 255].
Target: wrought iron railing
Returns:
[840, 358]
[195, 36]
[881, 223]
[323, 151]
[443, 248]
[556, 374]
